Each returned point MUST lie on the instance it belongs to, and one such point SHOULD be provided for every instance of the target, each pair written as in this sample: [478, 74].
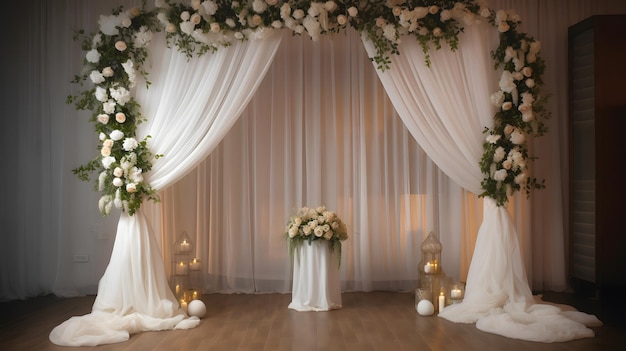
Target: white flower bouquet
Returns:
[311, 224]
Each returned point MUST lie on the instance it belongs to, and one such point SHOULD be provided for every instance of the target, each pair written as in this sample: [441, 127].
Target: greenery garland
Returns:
[117, 52]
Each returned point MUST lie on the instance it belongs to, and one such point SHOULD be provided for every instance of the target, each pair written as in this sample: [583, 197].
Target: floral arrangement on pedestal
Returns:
[117, 52]
[311, 224]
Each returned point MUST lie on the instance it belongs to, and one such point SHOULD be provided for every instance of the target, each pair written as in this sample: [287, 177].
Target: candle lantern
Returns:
[183, 244]
[457, 292]
[182, 265]
[431, 255]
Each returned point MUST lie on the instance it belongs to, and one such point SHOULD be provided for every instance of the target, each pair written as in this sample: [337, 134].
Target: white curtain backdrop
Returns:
[49, 220]
[190, 110]
[319, 131]
[444, 107]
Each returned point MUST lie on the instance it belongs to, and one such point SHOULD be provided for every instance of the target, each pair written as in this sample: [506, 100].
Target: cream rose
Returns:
[120, 45]
[120, 117]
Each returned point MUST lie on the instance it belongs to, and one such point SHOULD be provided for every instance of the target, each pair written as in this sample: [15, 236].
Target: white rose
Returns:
[105, 151]
[271, 2]
[500, 175]
[102, 136]
[126, 22]
[130, 144]
[520, 178]
[277, 24]
[210, 7]
[498, 154]
[195, 19]
[507, 106]
[527, 71]
[93, 56]
[497, 98]
[120, 94]
[96, 77]
[257, 20]
[259, 6]
[107, 143]
[445, 15]
[503, 27]
[298, 14]
[108, 106]
[103, 118]
[433, 9]
[195, 4]
[380, 22]
[506, 82]
[230, 22]
[437, 32]
[131, 187]
[170, 28]
[107, 72]
[118, 182]
[118, 172]
[530, 82]
[215, 27]
[101, 94]
[330, 6]
[342, 20]
[318, 231]
[528, 116]
[485, 12]
[116, 135]
[492, 138]
[185, 15]
[353, 11]
[108, 161]
[293, 231]
[508, 129]
[517, 137]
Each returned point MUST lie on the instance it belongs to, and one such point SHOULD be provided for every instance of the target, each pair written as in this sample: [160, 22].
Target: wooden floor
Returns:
[367, 321]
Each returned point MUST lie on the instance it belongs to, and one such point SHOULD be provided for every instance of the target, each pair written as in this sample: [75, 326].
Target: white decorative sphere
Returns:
[196, 308]
[425, 308]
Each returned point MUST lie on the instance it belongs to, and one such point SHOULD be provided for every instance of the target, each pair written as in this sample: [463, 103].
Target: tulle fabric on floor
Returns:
[133, 294]
[498, 298]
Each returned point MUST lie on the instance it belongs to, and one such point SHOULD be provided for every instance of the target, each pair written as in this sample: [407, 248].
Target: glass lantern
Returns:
[457, 292]
[431, 254]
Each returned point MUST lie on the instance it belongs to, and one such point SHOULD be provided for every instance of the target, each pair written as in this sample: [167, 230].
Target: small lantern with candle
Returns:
[457, 292]
[431, 254]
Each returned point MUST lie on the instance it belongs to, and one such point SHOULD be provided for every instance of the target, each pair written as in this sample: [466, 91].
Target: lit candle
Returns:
[194, 265]
[456, 293]
[183, 305]
[184, 246]
[442, 302]
[181, 268]
[430, 268]
[177, 289]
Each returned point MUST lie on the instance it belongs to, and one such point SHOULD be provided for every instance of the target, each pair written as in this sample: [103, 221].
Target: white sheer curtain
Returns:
[444, 106]
[319, 131]
[190, 110]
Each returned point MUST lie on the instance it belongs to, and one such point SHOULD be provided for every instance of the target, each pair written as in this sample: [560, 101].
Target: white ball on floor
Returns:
[425, 308]
[196, 308]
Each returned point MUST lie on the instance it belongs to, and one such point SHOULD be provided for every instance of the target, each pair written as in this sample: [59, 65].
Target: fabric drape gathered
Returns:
[189, 113]
[446, 107]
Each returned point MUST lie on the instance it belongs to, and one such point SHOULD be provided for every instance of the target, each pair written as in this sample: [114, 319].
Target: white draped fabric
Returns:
[316, 283]
[445, 106]
[193, 107]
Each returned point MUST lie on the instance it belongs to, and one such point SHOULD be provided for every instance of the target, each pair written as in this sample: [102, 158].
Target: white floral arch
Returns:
[237, 34]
